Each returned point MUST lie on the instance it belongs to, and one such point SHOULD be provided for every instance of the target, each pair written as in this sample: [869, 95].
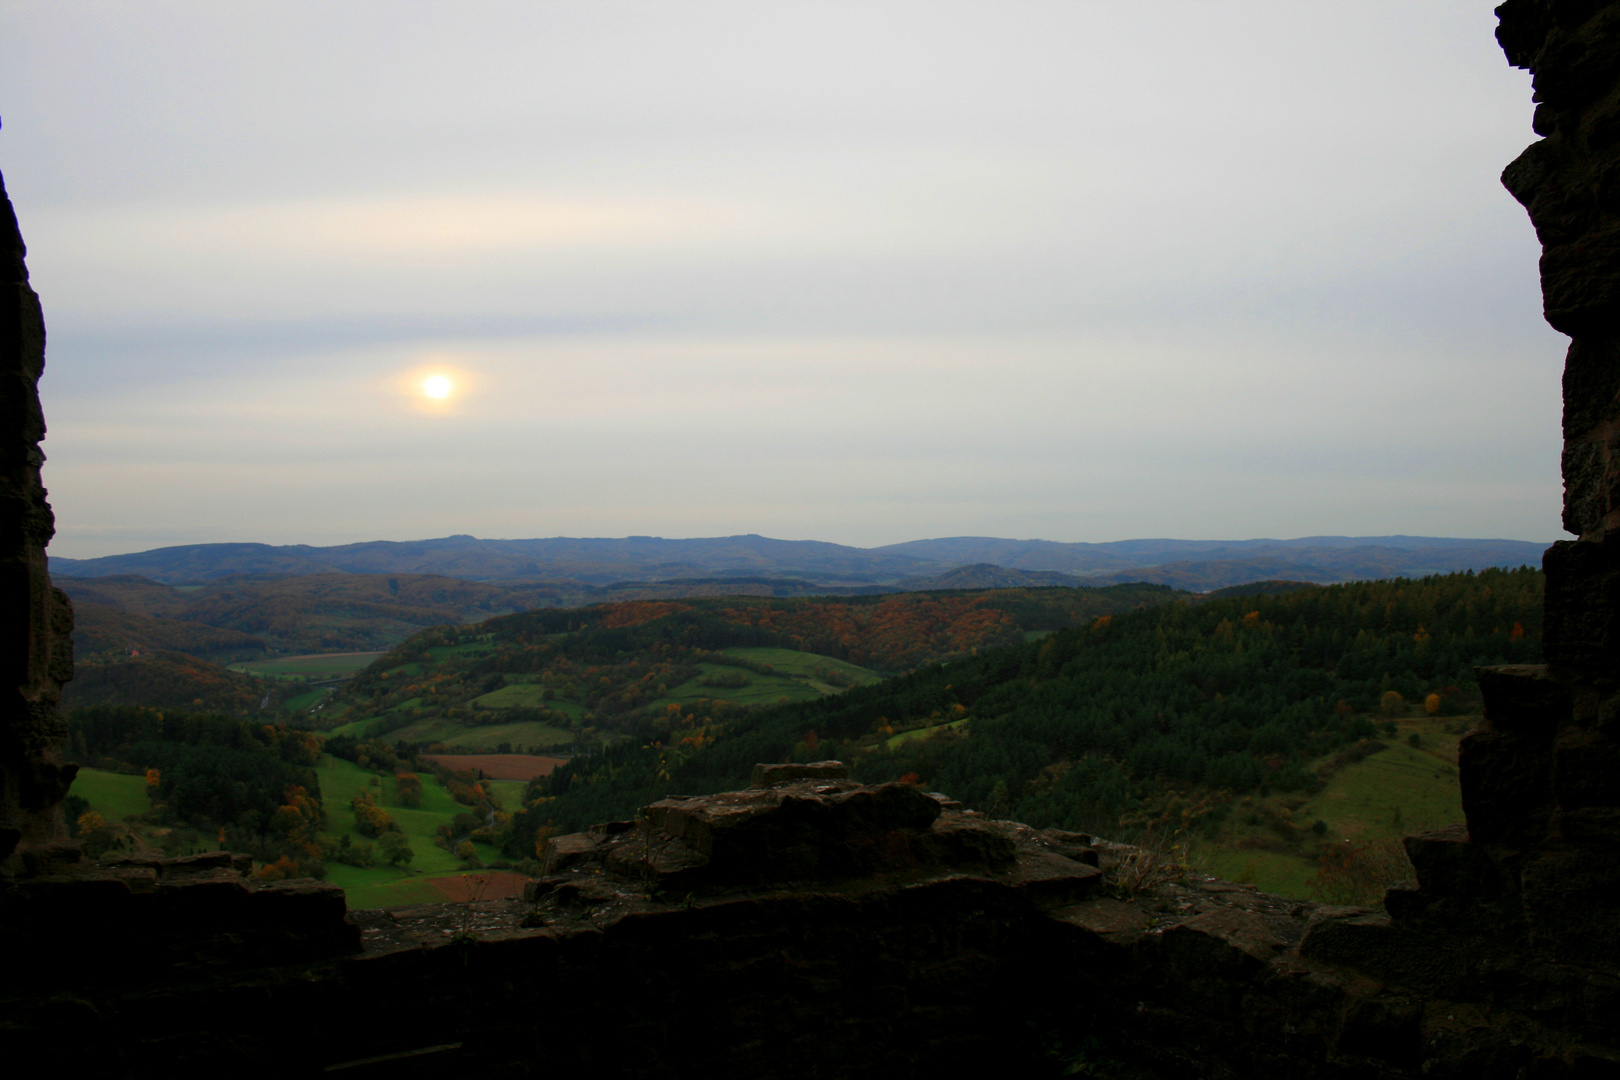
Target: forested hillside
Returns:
[171, 680]
[622, 668]
[253, 617]
[1244, 695]
[255, 783]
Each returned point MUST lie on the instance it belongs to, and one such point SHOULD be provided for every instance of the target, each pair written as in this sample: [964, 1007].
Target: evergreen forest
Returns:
[1096, 726]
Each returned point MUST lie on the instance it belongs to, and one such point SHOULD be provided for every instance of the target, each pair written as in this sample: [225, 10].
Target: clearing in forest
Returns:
[523, 767]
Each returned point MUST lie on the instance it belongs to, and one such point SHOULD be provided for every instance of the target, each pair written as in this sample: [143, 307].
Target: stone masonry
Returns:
[36, 652]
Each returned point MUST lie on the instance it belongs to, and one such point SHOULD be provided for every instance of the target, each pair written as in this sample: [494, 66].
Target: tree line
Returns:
[1075, 730]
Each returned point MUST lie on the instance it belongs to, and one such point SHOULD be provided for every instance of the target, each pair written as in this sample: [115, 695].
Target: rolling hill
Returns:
[574, 565]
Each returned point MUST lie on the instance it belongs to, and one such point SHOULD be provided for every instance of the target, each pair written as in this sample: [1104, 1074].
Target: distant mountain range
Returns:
[648, 565]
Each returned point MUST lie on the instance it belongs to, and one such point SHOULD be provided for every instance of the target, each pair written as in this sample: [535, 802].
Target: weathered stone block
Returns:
[562, 853]
[1506, 765]
[1506, 785]
[1586, 770]
[801, 831]
[1236, 943]
[770, 775]
[1524, 698]
[1387, 1029]
[1569, 904]
[1583, 605]
[1449, 864]
[959, 841]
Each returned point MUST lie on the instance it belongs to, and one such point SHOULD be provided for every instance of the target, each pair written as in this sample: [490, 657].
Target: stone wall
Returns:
[1541, 777]
[36, 655]
[808, 926]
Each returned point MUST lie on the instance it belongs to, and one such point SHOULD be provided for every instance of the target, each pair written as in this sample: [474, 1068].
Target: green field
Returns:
[483, 738]
[1272, 871]
[804, 664]
[527, 695]
[515, 695]
[327, 665]
[118, 797]
[761, 689]
[922, 733]
[384, 886]
[792, 680]
[114, 796]
[1396, 792]
[308, 699]
[509, 792]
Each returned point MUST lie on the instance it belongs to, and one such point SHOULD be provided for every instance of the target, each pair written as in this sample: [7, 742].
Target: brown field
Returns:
[500, 766]
[481, 885]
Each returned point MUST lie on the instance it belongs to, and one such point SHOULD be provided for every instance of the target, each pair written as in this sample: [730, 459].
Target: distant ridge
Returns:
[991, 576]
[954, 562]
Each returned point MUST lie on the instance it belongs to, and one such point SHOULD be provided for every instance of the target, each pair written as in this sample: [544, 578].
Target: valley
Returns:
[1281, 733]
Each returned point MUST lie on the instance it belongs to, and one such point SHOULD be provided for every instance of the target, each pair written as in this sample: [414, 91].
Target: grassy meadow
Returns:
[114, 796]
[1395, 792]
[387, 886]
[314, 666]
[794, 678]
[119, 799]
[483, 738]
[903, 737]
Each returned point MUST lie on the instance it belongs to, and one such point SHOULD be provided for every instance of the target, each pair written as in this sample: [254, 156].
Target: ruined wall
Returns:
[1541, 778]
[35, 620]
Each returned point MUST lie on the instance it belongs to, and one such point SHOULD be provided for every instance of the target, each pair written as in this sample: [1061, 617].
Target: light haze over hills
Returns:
[863, 272]
[955, 562]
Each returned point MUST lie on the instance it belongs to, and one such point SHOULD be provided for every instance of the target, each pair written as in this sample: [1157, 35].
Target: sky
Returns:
[861, 272]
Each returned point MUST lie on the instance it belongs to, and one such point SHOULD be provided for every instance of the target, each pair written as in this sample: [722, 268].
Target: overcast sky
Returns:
[861, 272]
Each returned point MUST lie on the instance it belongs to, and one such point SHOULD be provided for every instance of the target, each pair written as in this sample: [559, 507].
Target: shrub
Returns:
[1359, 873]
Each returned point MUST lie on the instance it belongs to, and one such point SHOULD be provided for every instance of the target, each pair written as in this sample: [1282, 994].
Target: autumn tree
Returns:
[369, 818]
[395, 848]
[1352, 872]
[297, 823]
[94, 833]
[408, 790]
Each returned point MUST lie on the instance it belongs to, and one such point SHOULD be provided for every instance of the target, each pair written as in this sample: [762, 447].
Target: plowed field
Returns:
[480, 885]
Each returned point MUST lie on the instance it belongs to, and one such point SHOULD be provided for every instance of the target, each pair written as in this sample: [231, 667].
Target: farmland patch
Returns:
[521, 767]
[312, 665]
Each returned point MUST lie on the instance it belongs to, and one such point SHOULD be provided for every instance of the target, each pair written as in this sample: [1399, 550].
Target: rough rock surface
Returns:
[36, 652]
[815, 927]
[1540, 860]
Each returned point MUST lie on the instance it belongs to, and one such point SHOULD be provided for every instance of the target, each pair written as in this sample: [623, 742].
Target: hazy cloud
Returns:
[859, 272]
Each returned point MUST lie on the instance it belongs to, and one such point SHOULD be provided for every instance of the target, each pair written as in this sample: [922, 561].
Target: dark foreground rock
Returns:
[812, 927]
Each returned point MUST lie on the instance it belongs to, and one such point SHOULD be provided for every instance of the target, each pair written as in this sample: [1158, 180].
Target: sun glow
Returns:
[434, 387]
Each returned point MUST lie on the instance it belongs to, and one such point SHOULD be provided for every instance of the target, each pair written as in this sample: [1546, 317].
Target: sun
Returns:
[439, 385]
